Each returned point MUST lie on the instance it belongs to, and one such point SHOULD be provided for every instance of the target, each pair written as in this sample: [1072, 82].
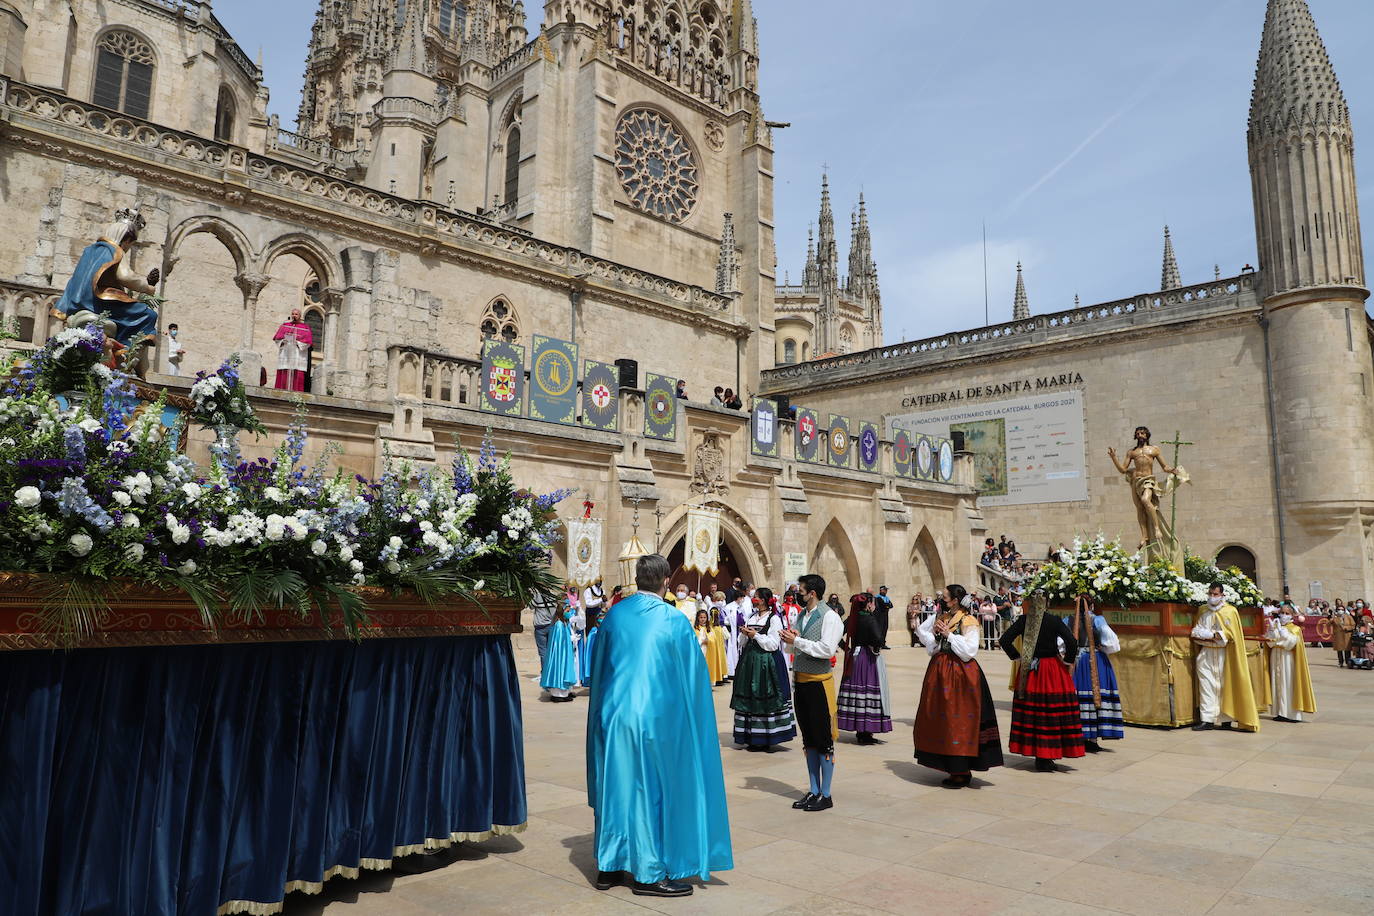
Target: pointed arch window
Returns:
[453, 17]
[123, 73]
[225, 111]
[512, 187]
[789, 352]
[500, 320]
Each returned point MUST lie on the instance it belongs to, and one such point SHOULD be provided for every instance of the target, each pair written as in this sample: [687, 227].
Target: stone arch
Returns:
[500, 319]
[833, 557]
[232, 237]
[1240, 556]
[309, 250]
[737, 532]
[926, 567]
[202, 298]
[137, 48]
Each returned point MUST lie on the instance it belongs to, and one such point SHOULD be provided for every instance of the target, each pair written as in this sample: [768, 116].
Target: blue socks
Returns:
[813, 770]
[827, 771]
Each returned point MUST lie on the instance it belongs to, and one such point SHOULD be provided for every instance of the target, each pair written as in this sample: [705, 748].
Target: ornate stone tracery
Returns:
[657, 168]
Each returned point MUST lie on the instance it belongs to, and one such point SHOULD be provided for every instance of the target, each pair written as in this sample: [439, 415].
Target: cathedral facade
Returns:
[604, 179]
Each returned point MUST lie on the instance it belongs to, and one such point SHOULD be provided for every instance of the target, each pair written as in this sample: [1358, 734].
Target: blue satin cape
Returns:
[654, 776]
[560, 662]
[133, 320]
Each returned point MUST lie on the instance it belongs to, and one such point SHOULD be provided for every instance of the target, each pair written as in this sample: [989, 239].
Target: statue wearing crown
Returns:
[105, 288]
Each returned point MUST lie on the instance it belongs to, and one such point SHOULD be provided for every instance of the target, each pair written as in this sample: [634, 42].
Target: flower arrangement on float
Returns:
[1105, 571]
[95, 490]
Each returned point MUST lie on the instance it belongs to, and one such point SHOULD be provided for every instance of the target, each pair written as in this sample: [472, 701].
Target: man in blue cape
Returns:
[654, 777]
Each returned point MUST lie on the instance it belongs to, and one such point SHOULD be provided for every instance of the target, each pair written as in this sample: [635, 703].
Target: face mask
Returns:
[172, 333]
[681, 595]
[1215, 601]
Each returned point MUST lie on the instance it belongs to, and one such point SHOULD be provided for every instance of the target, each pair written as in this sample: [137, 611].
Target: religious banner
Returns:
[808, 433]
[901, 453]
[584, 551]
[553, 380]
[502, 383]
[945, 463]
[838, 452]
[660, 407]
[868, 446]
[765, 428]
[924, 464]
[702, 552]
[600, 395]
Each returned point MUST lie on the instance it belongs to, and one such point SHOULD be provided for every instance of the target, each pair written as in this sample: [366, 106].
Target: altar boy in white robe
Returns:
[1292, 680]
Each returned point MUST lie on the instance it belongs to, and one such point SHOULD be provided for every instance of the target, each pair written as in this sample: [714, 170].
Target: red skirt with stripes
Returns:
[1045, 722]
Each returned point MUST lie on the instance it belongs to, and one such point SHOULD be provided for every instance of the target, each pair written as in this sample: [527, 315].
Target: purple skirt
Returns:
[860, 702]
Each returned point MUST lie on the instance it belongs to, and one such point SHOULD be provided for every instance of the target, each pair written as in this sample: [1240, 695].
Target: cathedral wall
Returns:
[1205, 380]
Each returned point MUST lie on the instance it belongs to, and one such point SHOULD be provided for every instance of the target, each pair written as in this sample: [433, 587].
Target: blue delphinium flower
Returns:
[74, 502]
[120, 403]
[74, 440]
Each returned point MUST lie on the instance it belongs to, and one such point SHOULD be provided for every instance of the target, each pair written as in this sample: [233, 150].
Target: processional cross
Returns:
[1178, 443]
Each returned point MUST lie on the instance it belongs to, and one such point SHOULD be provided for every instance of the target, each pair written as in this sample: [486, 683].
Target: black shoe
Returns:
[1092, 747]
[805, 800]
[1227, 725]
[820, 803]
[664, 888]
[1044, 766]
[957, 782]
[755, 748]
[1284, 719]
[605, 880]
[1204, 726]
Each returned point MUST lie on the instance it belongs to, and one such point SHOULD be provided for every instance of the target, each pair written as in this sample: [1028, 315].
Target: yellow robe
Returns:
[1237, 693]
[1304, 698]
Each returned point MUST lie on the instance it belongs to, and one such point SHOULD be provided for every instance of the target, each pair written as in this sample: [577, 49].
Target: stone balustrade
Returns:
[435, 378]
[994, 337]
[25, 308]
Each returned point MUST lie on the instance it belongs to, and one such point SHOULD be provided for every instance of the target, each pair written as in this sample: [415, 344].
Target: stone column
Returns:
[251, 284]
[333, 301]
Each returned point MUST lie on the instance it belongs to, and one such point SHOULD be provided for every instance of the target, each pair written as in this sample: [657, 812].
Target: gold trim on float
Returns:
[254, 908]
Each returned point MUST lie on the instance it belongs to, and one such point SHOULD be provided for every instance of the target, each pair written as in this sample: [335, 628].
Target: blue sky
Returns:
[1075, 128]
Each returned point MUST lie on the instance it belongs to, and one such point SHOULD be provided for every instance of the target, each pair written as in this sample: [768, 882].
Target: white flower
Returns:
[133, 553]
[80, 544]
[359, 579]
[318, 548]
[187, 568]
[121, 497]
[89, 425]
[129, 521]
[477, 586]
[356, 565]
[28, 497]
[345, 553]
[393, 567]
[394, 542]
[274, 494]
[275, 527]
[191, 491]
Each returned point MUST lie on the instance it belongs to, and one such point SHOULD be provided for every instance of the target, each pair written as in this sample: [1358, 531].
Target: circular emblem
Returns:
[584, 550]
[946, 461]
[1324, 629]
[703, 541]
[660, 408]
[657, 169]
[924, 457]
[601, 395]
[839, 441]
[715, 135]
[554, 372]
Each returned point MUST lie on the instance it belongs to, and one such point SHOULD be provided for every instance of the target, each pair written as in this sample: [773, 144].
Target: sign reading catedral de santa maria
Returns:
[994, 389]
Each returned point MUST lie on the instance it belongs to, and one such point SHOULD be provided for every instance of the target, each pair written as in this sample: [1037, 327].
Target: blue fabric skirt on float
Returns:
[163, 781]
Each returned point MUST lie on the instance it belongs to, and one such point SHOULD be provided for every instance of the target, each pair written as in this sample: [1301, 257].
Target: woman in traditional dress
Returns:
[1045, 721]
[709, 638]
[294, 341]
[762, 694]
[1099, 704]
[559, 675]
[863, 702]
[956, 724]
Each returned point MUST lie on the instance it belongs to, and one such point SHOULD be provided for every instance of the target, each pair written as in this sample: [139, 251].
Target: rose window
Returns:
[655, 165]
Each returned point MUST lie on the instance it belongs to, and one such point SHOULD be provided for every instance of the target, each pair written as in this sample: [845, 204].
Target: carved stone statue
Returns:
[709, 475]
[104, 283]
[1157, 538]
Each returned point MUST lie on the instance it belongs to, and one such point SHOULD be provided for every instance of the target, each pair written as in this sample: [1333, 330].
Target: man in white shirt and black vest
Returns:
[814, 643]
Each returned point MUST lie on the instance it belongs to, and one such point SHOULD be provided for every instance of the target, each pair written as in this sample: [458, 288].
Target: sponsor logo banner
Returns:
[553, 380]
[502, 384]
[660, 407]
[765, 428]
[600, 395]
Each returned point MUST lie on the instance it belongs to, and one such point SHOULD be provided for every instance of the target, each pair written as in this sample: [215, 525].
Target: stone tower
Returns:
[1170, 278]
[1020, 306]
[1312, 282]
[862, 283]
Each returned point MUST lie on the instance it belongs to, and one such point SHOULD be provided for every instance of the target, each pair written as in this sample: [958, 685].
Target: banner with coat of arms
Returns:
[868, 446]
[600, 395]
[944, 461]
[502, 384]
[808, 435]
[924, 463]
[838, 452]
[584, 551]
[660, 407]
[703, 541]
[901, 452]
[765, 428]
[553, 380]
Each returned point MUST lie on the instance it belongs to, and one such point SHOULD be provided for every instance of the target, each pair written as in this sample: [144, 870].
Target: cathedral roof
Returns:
[1295, 84]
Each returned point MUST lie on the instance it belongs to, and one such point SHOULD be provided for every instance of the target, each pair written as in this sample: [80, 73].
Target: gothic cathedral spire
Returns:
[1020, 308]
[1170, 277]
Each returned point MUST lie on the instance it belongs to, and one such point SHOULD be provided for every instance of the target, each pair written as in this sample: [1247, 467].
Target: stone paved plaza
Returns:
[1167, 822]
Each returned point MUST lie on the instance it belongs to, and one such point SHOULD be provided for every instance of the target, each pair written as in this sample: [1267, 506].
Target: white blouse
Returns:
[767, 637]
[964, 644]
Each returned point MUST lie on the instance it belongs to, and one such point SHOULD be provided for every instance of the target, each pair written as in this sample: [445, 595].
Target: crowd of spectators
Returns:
[1003, 557]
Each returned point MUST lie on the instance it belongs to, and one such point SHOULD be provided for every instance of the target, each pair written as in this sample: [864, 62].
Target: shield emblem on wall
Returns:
[600, 395]
[807, 430]
[502, 385]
